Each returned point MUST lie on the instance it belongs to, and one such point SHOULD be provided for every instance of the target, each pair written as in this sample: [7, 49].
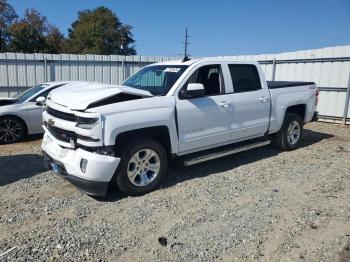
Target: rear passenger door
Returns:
[250, 102]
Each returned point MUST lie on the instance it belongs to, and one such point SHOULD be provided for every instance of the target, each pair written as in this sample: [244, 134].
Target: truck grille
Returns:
[62, 135]
[61, 115]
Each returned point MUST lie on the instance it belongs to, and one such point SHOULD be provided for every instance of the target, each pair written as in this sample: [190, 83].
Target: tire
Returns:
[284, 139]
[143, 166]
[12, 130]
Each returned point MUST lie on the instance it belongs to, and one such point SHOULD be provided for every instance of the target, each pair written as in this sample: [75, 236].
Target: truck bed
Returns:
[284, 84]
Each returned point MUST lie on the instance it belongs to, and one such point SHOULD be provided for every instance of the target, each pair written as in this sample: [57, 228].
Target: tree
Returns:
[7, 16]
[54, 40]
[99, 31]
[33, 34]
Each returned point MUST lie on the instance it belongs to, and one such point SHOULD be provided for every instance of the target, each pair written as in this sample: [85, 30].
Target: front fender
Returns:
[139, 114]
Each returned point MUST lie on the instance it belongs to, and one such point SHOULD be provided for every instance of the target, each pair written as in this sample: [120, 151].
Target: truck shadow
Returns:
[16, 167]
[178, 173]
[32, 138]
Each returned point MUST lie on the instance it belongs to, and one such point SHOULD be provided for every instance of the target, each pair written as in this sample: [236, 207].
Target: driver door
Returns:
[204, 121]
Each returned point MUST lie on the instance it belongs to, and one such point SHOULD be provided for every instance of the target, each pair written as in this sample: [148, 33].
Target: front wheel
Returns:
[288, 138]
[143, 167]
[12, 130]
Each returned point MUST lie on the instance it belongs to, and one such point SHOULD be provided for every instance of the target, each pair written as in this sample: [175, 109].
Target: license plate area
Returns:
[55, 168]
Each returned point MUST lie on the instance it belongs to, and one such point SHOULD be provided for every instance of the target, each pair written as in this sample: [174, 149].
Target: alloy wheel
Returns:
[293, 132]
[10, 130]
[143, 167]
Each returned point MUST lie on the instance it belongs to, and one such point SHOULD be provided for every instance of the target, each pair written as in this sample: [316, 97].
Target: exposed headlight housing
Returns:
[106, 150]
[86, 123]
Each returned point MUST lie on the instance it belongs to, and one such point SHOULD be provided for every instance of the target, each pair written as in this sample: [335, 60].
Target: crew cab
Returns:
[99, 134]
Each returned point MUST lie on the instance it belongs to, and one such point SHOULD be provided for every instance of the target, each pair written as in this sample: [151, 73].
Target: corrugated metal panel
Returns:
[18, 71]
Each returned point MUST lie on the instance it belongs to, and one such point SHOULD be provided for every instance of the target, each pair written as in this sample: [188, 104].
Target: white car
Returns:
[197, 110]
[21, 115]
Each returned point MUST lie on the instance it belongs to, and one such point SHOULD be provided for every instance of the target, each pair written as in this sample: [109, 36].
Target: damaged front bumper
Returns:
[90, 172]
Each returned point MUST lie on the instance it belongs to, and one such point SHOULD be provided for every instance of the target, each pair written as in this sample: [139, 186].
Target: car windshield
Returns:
[156, 79]
[21, 97]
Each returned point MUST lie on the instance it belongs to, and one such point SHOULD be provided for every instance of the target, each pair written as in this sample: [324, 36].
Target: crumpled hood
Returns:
[80, 97]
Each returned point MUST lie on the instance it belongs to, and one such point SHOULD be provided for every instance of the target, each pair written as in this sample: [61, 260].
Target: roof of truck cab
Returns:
[206, 59]
[177, 62]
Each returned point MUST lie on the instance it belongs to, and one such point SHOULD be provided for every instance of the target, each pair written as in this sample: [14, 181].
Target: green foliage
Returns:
[54, 40]
[7, 16]
[99, 31]
[33, 34]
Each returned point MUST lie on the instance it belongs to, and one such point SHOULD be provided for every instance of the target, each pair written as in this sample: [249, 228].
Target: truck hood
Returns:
[4, 101]
[94, 94]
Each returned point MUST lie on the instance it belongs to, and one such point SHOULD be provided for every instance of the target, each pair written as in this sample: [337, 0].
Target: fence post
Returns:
[347, 100]
[274, 69]
[123, 69]
[45, 70]
[7, 77]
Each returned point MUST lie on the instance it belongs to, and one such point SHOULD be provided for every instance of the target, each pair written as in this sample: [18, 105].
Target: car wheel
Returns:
[12, 130]
[288, 138]
[143, 167]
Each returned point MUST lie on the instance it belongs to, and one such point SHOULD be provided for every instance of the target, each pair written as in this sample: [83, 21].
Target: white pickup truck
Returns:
[98, 134]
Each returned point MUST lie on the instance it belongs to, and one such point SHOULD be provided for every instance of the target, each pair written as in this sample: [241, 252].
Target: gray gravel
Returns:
[261, 205]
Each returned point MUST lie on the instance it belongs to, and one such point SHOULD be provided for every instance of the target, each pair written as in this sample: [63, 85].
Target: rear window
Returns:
[245, 78]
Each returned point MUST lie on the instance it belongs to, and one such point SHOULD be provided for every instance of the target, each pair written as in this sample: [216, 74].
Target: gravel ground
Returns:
[263, 205]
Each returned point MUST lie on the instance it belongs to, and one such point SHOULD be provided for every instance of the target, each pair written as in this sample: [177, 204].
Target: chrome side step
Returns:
[223, 153]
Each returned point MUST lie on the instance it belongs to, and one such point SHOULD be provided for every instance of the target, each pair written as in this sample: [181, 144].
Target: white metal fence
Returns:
[328, 67]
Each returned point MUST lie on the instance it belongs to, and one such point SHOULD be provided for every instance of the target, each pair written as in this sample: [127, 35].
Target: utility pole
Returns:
[186, 56]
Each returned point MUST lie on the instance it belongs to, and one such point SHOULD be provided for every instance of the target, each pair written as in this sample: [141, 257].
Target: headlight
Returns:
[106, 150]
[86, 123]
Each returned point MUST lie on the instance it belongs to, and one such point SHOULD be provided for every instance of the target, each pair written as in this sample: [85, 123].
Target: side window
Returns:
[211, 78]
[245, 78]
[45, 93]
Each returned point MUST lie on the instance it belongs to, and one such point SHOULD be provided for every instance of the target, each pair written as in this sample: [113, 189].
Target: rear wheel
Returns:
[12, 130]
[288, 138]
[143, 166]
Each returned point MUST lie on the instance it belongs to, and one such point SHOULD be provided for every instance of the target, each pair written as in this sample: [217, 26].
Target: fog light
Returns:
[83, 164]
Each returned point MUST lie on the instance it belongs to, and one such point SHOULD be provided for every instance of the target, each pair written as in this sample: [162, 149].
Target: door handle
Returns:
[224, 104]
[264, 99]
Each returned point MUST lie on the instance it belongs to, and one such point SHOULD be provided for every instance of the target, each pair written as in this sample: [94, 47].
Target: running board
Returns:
[226, 152]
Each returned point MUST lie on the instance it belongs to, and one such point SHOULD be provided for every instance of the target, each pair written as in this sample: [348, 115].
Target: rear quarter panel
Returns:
[282, 98]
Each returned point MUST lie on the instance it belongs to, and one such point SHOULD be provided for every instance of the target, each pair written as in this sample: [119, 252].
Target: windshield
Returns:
[156, 79]
[21, 97]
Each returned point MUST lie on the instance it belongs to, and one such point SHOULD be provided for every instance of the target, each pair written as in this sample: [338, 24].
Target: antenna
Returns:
[186, 56]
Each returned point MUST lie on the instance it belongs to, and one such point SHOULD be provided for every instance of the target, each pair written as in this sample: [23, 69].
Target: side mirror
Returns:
[193, 90]
[40, 101]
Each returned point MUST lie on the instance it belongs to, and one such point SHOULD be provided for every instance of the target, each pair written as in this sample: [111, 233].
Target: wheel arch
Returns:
[159, 133]
[299, 109]
[26, 129]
